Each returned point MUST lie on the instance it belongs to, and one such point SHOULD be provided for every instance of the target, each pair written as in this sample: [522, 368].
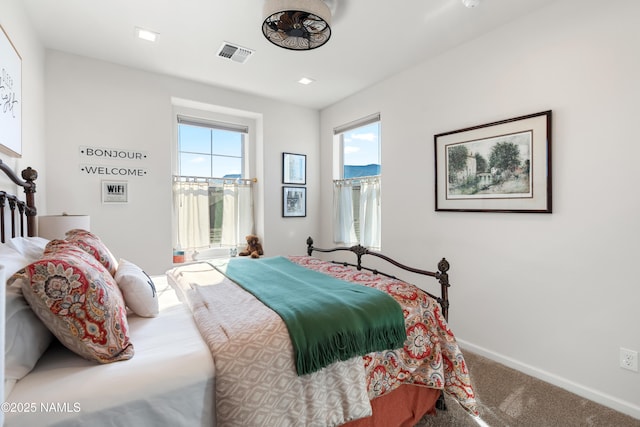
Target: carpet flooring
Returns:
[509, 398]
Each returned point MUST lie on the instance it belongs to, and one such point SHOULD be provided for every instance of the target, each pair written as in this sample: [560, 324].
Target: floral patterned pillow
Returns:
[79, 301]
[93, 245]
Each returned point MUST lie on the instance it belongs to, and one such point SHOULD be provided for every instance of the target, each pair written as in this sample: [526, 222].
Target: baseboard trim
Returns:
[612, 402]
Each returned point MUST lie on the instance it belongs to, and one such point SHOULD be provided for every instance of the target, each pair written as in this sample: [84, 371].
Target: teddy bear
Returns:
[254, 248]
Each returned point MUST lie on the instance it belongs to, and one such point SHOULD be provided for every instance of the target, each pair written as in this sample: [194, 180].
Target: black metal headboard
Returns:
[20, 211]
[441, 275]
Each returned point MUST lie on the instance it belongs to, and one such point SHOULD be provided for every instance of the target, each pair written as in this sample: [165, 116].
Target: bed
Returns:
[169, 381]
[199, 359]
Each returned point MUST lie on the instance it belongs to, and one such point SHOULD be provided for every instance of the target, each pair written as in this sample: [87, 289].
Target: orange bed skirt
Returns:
[403, 407]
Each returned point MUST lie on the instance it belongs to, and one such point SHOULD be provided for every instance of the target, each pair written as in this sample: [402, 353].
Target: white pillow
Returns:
[31, 247]
[26, 337]
[137, 288]
[12, 260]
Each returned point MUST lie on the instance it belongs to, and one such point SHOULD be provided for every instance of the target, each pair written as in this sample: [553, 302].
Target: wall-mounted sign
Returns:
[115, 192]
[112, 153]
[103, 170]
[10, 97]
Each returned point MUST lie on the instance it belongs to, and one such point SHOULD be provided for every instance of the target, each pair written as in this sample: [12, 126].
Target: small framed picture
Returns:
[115, 192]
[294, 201]
[294, 169]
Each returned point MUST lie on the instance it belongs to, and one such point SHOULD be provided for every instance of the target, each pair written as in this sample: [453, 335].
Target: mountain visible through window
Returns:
[361, 151]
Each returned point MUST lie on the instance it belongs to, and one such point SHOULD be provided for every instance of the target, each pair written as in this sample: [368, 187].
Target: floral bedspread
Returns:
[430, 357]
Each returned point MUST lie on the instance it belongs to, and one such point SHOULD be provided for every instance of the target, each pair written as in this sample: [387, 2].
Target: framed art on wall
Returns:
[10, 97]
[294, 201]
[503, 166]
[294, 168]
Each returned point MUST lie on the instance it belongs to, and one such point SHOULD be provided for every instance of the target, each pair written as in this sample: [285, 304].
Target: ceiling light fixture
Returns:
[471, 3]
[305, 81]
[147, 35]
[297, 24]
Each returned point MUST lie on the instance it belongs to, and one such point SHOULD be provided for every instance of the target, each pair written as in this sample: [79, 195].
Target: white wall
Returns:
[98, 104]
[17, 25]
[555, 295]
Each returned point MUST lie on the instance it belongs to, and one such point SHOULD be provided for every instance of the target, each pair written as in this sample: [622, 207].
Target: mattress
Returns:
[169, 381]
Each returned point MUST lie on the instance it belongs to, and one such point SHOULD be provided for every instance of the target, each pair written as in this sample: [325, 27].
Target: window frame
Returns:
[339, 163]
[212, 125]
[340, 131]
[208, 116]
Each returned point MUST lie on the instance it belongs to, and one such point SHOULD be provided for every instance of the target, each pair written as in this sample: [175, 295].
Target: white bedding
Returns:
[169, 381]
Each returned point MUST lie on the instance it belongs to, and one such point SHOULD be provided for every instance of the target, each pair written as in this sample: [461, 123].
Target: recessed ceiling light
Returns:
[305, 81]
[147, 35]
[471, 3]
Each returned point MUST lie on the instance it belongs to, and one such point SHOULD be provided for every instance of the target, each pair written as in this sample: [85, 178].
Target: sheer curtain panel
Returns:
[237, 214]
[191, 206]
[344, 227]
[370, 212]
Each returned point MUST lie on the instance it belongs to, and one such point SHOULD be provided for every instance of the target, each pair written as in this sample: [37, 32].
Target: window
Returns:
[210, 149]
[357, 191]
[212, 199]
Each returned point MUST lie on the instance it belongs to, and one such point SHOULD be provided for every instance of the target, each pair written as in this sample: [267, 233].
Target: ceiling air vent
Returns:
[234, 52]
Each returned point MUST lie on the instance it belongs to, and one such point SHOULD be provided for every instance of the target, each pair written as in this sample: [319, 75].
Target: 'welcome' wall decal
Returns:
[108, 154]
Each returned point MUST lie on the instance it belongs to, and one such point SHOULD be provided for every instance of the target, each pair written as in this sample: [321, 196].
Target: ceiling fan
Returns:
[297, 24]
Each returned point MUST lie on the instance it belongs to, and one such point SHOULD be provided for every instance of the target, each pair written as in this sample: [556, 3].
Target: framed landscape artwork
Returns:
[503, 166]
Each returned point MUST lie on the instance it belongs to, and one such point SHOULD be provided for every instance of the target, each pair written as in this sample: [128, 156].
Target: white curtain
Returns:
[191, 208]
[343, 225]
[370, 212]
[237, 213]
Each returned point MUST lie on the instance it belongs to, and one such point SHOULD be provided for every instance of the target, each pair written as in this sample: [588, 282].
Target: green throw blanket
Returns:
[328, 319]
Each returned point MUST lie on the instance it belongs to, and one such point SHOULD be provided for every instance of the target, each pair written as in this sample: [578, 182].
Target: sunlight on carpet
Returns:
[480, 422]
